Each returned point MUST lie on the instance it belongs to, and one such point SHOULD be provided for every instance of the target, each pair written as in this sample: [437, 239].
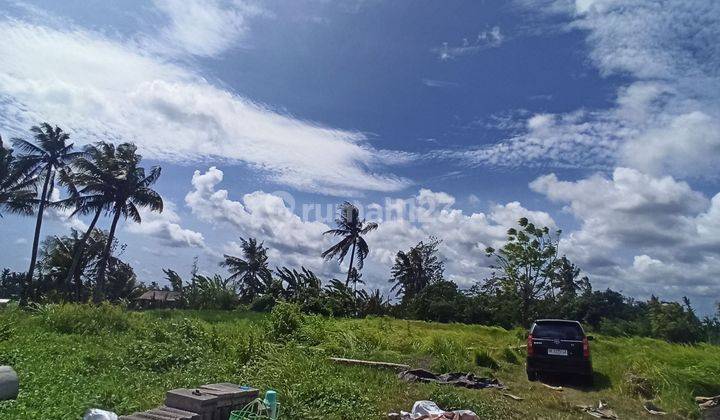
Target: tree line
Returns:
[529, 279]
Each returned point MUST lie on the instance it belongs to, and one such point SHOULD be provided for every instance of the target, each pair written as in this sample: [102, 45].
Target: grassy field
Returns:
[73, 357]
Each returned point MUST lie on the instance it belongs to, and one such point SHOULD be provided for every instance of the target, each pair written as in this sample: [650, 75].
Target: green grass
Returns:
[70, 358]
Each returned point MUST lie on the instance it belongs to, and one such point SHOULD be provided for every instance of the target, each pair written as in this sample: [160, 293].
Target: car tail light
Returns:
[530, 350]
[586, 348]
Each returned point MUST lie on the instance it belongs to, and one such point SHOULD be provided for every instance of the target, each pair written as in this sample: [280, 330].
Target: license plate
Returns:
[557, 352]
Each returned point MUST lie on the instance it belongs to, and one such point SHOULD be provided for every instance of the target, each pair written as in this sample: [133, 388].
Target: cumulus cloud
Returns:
[665, 118]
[265, 216]
[668, 229]
[103, 89]
[166, 227]
[296, 241]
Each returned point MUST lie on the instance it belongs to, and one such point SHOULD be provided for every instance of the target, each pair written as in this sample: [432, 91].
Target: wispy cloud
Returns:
[486, 39]
[101, 88]
[204, 27]
[438, 83]
[665, 119]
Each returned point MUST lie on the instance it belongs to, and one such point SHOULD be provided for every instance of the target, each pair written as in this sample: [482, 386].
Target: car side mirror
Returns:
[590, 338]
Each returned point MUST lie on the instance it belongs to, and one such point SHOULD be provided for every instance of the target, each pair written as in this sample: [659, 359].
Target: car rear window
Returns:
[561, 330]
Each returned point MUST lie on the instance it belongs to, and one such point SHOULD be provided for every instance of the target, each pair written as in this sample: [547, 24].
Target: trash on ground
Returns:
[514, 397]
[466, 380]
[98, 414]
[602, 411]
[708, 402]
[428, 410]
[653, 409]
[9, 383]
[369, 363]
[554, 388]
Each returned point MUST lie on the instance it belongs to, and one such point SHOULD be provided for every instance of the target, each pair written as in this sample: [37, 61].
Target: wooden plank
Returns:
[369, 363]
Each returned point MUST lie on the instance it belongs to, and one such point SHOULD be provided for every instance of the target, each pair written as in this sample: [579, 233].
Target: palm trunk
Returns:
[99, 294]
[77, 255]
[27, 287]
[352, 257]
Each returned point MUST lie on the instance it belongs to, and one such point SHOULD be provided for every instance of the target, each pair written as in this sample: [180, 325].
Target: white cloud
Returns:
[490, 38]
[205, 27]
[101, 89]
[665, 119]
[165, 227]
[265, 216]
[295, 242]
[670, 231]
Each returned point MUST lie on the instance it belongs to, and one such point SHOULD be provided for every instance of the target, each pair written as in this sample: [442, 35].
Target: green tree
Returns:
[416, 269]
[525, 265]
[130, 190]
[351, 229]
[42, 160]
[95, 174]
[17, 192]
[250, 274]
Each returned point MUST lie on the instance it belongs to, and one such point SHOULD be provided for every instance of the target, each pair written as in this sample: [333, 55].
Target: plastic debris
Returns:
[708, 402]
[514, 397]
[554, 388]
[465, 380]
[651, 408]
[428, 410]
[98, 414]
[602, 411]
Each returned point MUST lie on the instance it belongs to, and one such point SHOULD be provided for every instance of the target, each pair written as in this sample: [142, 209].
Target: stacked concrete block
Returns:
[208, 402]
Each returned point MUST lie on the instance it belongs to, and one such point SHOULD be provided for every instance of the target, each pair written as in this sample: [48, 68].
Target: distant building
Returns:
[159, 299]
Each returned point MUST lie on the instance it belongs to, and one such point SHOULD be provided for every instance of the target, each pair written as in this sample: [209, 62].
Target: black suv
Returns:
[558, 346]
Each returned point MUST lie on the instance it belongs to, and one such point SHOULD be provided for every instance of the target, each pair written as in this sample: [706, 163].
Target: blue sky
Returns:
[599, 117]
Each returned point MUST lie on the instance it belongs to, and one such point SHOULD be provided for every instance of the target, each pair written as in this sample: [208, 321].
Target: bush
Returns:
[285, 320]
[171, 346]
[264, 303]
[84, 319]
[483, 359]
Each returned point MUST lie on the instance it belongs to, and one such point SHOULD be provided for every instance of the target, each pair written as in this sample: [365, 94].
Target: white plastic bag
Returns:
[98, 414]
[422, 408]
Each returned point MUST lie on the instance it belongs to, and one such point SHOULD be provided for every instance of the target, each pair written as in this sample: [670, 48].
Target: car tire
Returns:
[532, 375]
[587, 380]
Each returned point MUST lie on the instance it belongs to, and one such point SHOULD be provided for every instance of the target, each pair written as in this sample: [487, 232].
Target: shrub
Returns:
[264, 303]
[285, 320]
[84, 319]
[171, 346]
[483, 359]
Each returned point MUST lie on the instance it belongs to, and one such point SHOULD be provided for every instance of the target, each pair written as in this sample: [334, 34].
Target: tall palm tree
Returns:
[49, 155]
[95, 175]
[17, 192]
[129, 188]
[351, 229]
[251, 274]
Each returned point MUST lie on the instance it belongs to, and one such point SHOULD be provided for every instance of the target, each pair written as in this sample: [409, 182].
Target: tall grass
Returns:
[72, 357]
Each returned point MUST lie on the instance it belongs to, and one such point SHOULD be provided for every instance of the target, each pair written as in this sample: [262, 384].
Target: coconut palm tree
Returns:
[17, 192]
[94, 175]
[351, 229]
[251, 274]
[128, 186]
[48, 155]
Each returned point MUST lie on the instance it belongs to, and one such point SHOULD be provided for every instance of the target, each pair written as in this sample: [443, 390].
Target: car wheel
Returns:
[532, 375]
[588, 380]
